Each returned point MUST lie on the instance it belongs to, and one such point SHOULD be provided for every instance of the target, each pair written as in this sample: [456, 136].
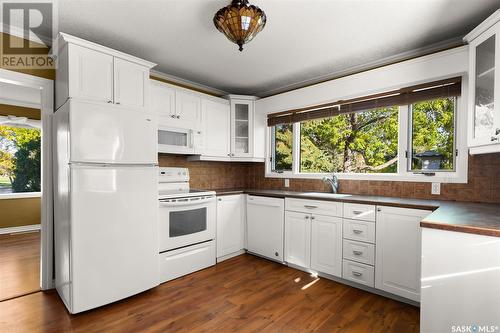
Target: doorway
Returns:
[26, 247]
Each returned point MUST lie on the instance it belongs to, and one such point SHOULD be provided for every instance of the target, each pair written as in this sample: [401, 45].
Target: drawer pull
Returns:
[310, 206]
[357, 253]
[356, 231]
[356, 273]
[357, 212]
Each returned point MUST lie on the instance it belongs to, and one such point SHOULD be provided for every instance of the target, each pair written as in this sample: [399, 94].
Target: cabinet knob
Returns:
[312, 217]
[379, 209]
[220, 199]
[494, 138]
[178, 117]
[172, 116]
[276, 254]
[497, 131]
[307, 217]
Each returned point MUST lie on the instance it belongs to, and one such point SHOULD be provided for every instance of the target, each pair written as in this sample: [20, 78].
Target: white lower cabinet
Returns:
[358, 272]
[398, 251]
[230, 224]
[314, 241]
[298, 239]
[326, 246]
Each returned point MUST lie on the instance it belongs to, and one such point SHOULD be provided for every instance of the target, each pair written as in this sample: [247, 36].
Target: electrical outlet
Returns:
[436, 188]
[287, 182]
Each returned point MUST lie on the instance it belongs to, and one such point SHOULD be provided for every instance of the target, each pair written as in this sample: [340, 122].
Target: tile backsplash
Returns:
[483, 184]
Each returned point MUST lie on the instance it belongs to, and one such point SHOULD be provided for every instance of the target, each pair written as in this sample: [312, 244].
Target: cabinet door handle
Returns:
[117, 103]
[178, 117]
[310, 206]
[356, 273]
[494, 138]
[357, 212]
[497, 131]
[172, 116]
[357, 253]
[109, 102]
[356, 231]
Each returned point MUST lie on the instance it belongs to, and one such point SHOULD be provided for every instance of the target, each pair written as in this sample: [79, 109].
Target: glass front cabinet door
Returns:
[242, 127]
[484, 88]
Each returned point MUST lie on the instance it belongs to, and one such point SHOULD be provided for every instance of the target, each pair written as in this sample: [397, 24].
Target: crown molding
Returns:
[485, 25]
[174, 80]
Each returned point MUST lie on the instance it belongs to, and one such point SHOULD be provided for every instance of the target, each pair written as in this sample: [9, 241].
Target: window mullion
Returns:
[403, 140]
[296, 149]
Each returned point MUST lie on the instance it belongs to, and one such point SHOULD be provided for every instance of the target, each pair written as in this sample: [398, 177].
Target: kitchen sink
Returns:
[327, 195]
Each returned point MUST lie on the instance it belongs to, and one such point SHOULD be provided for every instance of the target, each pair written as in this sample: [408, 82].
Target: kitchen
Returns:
[367, 201]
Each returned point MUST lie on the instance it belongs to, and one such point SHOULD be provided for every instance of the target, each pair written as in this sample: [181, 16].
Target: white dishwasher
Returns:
[265, 226]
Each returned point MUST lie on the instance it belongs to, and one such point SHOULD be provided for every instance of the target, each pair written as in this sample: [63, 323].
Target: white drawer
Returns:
[363, 231]
[359, 273]
[176, 263]
[360, 252]
[359, 212]
[320, 207]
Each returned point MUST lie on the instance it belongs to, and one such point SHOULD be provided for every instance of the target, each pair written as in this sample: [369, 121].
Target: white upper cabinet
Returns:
[484, 87]
[187, 110]
[131, 84]
[92, 72]
[397, 253]
[162, 101]
[217, 123]
[242, 111]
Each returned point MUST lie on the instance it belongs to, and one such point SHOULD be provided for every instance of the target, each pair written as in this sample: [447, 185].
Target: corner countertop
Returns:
[474, 218]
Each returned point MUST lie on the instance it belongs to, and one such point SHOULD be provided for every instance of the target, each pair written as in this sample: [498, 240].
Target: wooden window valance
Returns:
[404, 96]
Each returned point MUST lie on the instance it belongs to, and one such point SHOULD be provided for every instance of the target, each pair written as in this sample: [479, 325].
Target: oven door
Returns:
[186, 221]
[175, 140]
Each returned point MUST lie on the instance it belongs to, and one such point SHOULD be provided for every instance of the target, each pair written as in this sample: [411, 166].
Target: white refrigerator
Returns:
[106, 203]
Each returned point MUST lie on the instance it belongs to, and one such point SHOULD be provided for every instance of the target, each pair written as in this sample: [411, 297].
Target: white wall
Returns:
[428, 68]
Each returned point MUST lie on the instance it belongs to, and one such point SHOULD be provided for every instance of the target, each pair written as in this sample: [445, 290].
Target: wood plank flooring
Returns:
[19, 264]
[243, 294]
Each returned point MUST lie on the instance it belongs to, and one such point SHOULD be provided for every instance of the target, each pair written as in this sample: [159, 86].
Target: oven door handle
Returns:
[186, 202]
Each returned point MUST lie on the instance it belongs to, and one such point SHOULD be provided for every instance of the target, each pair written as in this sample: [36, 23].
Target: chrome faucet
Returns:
[333, 181]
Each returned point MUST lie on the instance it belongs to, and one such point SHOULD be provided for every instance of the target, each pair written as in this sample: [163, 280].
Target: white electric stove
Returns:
[186, 224]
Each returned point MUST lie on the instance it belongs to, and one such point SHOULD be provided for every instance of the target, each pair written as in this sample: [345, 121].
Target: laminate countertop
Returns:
[475, 218]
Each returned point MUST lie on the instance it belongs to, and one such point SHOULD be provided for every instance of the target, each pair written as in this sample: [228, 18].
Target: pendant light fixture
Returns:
[240, 21]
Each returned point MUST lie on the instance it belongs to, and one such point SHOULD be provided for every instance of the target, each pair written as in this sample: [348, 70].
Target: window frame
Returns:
[459, 175]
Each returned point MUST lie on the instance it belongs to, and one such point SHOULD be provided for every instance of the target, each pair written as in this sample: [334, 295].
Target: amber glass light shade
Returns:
[240, 22]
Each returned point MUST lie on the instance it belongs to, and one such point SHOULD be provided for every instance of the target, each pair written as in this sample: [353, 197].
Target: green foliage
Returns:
[433, 129]
[284, 142]
[25, 171]
[367, 142]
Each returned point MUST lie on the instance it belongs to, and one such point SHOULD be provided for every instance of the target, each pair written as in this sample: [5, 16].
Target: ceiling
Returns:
[304, 41]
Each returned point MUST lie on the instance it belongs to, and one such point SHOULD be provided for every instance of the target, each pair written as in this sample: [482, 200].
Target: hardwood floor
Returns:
[19, 264]
[243, 294]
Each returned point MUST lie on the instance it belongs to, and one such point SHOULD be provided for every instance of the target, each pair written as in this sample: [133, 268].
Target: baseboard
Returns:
[23, 228]
[230, 255]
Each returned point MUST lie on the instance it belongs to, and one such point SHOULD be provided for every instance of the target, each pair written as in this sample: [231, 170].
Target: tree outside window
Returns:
[20, 157]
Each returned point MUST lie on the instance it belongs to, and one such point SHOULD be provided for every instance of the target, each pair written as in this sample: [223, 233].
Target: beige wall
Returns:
[19, 212]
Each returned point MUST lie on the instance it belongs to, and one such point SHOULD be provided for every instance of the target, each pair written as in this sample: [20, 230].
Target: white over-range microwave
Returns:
[175, 140]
